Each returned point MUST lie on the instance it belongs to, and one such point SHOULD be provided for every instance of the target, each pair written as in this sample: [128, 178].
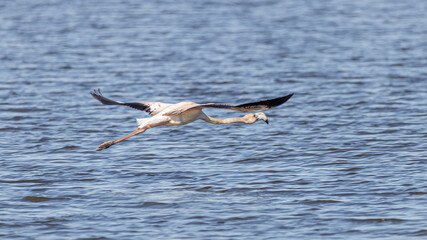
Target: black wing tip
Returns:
[279, 101]
[266, 104]
[287, 97]
[96, 92]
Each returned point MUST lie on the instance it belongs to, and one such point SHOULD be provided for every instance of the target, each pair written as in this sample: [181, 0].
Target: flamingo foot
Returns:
[105, 145]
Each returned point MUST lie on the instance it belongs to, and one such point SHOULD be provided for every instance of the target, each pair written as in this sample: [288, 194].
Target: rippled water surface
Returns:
[345, 158]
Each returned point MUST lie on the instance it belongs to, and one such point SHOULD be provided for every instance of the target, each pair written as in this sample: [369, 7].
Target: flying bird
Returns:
[186, 112]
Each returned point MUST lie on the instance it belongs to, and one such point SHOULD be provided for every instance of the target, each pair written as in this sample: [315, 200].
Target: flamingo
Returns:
[186, 112]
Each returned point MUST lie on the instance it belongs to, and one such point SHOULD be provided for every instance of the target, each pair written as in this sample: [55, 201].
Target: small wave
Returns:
[70, 147]
[417, 193]
[40, 199]
[152, 204]
[26, 181]
[320, 201]
[377, 220]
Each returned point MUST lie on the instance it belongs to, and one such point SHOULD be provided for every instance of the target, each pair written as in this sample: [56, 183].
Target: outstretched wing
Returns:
[150, 107]
[247, 107]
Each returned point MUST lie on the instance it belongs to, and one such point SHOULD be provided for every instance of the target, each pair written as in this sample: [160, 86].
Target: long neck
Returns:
[246, 119]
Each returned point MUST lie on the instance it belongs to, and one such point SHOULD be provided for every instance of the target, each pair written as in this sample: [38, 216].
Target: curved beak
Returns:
[266, 121]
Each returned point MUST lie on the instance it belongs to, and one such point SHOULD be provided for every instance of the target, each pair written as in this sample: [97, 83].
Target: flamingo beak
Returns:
[266, 121]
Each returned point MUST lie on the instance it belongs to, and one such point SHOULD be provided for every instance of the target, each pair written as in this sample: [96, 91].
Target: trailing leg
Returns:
[110, 143]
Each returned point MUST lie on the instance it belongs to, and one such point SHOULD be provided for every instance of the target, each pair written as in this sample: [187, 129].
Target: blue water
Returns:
[344, 158]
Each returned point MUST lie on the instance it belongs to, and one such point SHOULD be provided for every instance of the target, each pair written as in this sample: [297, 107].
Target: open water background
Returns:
[345, 158]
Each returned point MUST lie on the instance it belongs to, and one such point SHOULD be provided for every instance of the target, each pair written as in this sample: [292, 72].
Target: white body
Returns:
[173, 120]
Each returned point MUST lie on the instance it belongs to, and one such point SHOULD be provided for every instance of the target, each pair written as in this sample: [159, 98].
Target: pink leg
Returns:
[110, 143]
